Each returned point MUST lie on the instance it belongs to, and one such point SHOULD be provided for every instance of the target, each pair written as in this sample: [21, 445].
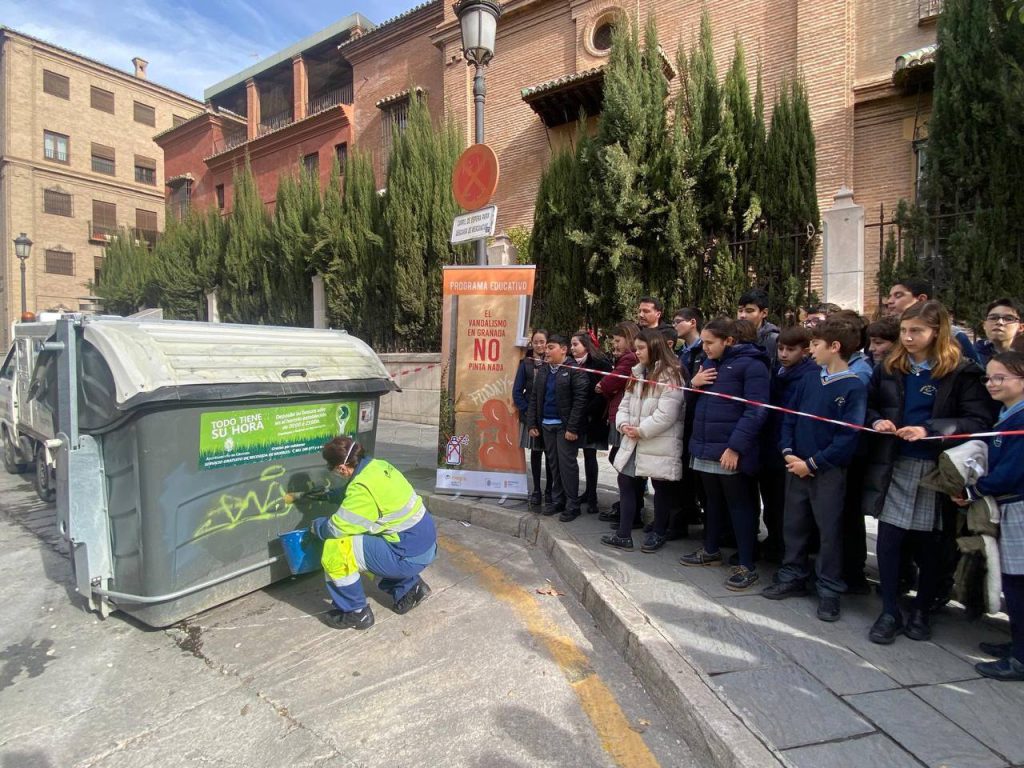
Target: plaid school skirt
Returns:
[908, 505]
[1011, 538]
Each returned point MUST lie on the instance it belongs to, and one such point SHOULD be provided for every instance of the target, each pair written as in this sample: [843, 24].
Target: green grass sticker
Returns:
[229, 438]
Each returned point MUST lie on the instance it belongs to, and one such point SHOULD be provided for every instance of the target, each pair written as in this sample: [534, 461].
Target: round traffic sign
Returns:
[475, 177]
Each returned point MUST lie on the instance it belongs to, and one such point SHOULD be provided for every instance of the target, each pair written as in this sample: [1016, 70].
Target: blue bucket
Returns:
[302, 550]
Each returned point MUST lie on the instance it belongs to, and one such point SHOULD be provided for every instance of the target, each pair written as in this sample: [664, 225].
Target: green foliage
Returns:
[967, 235]
[126, 279]
[293, 238]
[247, 289]
[418, 213]
[522, 240]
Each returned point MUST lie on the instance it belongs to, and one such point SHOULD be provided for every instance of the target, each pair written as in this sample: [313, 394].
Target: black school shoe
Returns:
[553, 509]
[917, 626]
[653, 542]
[569, 515]
[828, 609]
[413, 597]
[780, 590]
[1007, 670]
[885, 629]
[619, 542]
[361, 619]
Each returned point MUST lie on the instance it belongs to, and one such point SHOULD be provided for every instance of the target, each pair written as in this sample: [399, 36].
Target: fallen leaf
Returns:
[641, 725]
[549, 591]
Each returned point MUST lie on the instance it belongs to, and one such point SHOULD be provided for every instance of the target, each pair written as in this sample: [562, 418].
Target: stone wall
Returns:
[419, 401]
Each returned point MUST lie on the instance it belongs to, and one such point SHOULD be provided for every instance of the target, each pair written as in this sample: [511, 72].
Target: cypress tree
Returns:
[247, 288]
[126, 279]
[974, 238]
[418, 213]
[293, 237]
[746, 151]
[629, 209]
[349, 253]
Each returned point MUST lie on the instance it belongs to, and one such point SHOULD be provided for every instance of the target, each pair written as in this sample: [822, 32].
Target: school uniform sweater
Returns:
[1005, 476]
[841, 396]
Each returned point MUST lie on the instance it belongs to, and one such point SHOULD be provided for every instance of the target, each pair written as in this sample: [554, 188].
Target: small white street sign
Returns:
[474, 225]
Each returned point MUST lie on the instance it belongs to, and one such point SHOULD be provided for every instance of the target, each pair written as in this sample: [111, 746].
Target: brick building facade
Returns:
[868, 123]
[77, 161]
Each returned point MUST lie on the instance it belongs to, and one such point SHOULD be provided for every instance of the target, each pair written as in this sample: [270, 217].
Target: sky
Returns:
[189, 44]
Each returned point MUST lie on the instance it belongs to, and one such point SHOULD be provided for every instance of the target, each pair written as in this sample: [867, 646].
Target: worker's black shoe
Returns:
[413, 597]
[361, 619]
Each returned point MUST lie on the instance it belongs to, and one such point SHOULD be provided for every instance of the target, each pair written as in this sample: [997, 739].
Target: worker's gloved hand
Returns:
[314, 527]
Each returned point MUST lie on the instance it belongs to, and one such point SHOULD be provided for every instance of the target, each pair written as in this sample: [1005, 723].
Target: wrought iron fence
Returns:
[325, 101]
[274, 122]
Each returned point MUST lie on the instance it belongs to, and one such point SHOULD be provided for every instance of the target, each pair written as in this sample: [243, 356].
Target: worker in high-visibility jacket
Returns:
[382, 527]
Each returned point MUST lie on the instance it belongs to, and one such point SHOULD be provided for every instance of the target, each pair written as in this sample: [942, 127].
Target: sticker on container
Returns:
[229, 438]
[366, 411]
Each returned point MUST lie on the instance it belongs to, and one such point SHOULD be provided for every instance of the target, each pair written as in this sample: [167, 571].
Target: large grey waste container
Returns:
[190, 444]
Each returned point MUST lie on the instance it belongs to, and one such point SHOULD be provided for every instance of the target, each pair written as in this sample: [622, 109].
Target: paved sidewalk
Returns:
[801, 691]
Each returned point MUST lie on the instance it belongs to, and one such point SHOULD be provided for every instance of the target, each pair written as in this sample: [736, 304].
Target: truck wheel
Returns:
[11, 458]
[43, 480]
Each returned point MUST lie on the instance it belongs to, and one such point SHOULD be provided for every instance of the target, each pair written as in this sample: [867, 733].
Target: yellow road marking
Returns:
[618, 739]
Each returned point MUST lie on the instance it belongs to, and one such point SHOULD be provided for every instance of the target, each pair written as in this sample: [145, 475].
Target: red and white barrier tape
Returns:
[781, 409]
[409, 371]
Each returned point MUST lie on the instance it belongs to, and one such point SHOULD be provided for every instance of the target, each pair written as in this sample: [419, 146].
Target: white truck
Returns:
[26, 423]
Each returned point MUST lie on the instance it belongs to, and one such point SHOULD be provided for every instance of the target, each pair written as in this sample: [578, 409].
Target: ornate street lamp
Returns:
[22, 249]
[479, 20]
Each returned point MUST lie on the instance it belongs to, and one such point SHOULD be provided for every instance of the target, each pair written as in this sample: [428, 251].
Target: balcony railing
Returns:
[101, 233]
[325, 101]
[230, 141]
[273, 122]
[928, 10]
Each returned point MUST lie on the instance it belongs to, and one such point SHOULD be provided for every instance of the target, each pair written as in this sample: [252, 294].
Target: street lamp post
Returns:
[479, 21]
[22, 249]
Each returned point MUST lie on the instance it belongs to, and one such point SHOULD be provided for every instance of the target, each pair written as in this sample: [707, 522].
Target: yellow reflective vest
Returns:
[378, 501]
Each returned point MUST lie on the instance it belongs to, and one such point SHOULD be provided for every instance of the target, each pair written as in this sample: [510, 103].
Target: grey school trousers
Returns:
[811, 501]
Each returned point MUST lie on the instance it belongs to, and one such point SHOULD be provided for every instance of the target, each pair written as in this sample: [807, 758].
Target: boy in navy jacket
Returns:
[816, 455]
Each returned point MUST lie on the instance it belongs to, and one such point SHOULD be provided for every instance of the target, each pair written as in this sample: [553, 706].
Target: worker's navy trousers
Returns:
[397, 574]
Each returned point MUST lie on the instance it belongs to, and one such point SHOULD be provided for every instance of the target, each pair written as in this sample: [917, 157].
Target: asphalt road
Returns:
[495, 669]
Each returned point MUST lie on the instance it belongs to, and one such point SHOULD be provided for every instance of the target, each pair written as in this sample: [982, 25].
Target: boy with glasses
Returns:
[1002, 325]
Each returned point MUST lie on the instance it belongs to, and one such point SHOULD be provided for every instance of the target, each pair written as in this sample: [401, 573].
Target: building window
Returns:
[396, 118]
[57, 202]
[56, 146]
[59, 262]
[145, 114]
[220, 196]
[145, 170]
[104, 221]
[602, 40]
[56, 85]
[97, 265]
[101, 99]
[177, 120]
[341, 153]
[103, 159]
[181, 197]
[145, 226]
[920, 161]
[311, 164]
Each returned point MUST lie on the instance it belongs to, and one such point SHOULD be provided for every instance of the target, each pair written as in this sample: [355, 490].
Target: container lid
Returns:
[157, 360]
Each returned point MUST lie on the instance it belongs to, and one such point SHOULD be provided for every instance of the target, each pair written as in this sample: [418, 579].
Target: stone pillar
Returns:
[212, 310]
[252, 108]
[500, 251]
[843, 252]
[319, 303]
[300, 87]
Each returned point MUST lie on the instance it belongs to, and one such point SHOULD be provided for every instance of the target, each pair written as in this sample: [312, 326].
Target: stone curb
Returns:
[712, 729]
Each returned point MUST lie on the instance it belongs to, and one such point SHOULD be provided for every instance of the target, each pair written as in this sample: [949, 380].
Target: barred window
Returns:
[104, 220]
[145, 114]
[56, 146]
[220, 196]
[56, 84]
[60, 262]
[311, 163]
[101, 99]
[57, 202]
[145, 170]
[396, 118]
[181, 197]
[103, 159]
[341, 152]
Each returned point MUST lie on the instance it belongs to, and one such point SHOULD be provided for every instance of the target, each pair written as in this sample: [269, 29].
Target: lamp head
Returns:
[479, 21]
[22, 246]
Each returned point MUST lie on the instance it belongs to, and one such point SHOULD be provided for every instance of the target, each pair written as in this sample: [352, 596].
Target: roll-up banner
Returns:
[486, 320]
